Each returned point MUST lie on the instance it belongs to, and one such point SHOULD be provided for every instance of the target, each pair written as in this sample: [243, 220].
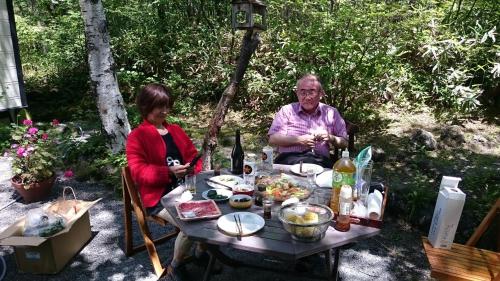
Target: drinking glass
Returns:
[363, 180]
[190, 183]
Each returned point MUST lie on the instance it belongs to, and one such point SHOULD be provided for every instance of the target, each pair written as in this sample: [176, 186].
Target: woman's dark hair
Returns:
[153, 96]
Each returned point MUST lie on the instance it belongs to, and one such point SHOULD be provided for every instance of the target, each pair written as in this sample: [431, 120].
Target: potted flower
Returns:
[34, 159]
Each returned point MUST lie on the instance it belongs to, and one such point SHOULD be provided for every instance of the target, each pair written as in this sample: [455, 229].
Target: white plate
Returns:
[225, 192]
[324, 179]
[305, 167]
[228, 180]
[250, 223]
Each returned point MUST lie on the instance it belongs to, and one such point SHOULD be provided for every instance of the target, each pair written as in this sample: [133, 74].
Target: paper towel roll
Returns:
[374, 205]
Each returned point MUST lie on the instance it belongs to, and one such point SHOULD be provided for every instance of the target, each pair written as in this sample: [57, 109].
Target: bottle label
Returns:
[345, 208]
[249, 168]
[339, 179]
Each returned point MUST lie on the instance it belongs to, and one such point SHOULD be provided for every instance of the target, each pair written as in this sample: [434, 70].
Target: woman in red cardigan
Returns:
[159, 155]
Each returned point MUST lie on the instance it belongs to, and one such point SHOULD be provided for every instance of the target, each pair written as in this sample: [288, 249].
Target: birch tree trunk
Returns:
[104, 83]
[250, 43]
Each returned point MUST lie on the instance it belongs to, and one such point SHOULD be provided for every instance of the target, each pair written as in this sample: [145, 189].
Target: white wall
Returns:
[10, 96]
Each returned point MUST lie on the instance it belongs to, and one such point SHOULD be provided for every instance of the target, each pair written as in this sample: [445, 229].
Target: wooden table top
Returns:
[273, 239]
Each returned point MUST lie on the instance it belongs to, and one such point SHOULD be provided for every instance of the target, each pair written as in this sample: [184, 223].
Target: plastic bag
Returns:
[43, 223]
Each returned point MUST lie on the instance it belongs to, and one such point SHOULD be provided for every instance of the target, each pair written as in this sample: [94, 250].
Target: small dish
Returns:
[220, 194]
[225, 180]
[240, 201]
[244, 189]
[317, 169]
[250, 223]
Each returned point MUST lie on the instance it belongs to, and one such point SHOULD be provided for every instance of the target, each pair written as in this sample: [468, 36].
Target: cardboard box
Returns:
[447, 212]
[48, 255]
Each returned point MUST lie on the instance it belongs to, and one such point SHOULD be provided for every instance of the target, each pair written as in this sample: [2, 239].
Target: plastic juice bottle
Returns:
[343, 174]
[344, 218]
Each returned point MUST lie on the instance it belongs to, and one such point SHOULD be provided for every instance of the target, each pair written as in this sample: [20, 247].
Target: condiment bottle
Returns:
[237, 156]
[343, 219]
[342, 174]
[259, 194]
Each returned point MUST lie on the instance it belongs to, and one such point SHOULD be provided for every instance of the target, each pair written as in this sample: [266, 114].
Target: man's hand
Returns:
[338, 142]
[179, 170]
[307, 140]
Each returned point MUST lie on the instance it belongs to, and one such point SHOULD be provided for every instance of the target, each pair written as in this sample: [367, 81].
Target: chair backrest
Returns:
[129, 184]
[351, 129]
[488, 219]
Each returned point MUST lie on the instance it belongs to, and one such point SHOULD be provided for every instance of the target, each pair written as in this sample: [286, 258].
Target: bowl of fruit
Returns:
[306, 222]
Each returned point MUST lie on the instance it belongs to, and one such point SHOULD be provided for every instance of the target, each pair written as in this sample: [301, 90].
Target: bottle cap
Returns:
[345, 153]
[345, 192]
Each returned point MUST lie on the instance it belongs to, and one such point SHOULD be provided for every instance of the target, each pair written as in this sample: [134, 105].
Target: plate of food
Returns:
[296, 169]
[224, 181]
[283, 187]
[195, 210]
[217, 194]
[250, 223]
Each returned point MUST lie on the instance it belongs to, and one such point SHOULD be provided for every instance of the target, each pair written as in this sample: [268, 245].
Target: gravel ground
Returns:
[395, 254]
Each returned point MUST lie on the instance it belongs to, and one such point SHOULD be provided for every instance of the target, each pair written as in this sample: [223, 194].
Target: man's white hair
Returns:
[309, 77]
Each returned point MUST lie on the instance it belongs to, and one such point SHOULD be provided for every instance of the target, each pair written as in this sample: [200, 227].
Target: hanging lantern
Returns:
[249, 14]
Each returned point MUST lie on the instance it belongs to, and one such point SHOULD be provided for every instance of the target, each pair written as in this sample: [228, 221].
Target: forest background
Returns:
[373, 57]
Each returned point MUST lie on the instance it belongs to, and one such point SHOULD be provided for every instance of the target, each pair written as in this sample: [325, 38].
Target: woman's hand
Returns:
[179, 170]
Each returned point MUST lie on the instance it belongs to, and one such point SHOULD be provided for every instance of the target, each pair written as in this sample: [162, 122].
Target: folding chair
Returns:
[132, 203]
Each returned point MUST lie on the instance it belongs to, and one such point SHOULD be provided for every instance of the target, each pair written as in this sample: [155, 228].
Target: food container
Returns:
[306, 222]
[367, 221]
[240, 201]
[243, 189]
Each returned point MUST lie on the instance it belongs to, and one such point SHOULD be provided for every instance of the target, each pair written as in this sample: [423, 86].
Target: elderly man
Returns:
[304, 130]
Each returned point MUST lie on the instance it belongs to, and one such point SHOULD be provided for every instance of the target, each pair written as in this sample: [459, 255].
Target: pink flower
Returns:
[27, 122]
[55, 122]
[21, 152]
[14, 146]
[45, 136]
[32, 130]
[68, 173]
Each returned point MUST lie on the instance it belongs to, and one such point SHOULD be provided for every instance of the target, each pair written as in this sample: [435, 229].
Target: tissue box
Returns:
[48, 255]
[447, 212]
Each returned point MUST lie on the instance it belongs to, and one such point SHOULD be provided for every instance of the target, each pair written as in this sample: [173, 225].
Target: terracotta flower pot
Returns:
[37, 191]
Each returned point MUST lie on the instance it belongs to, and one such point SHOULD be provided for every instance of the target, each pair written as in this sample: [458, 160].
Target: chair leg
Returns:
[127, 217]
[148, 241]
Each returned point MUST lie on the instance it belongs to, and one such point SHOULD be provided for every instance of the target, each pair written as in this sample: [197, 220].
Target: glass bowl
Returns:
[306, 222]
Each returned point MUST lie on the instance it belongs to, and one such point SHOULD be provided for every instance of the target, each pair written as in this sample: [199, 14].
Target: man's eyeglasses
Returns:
[307, 93]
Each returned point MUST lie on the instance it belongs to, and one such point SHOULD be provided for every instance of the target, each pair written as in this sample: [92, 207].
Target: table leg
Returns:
[208, 270]
[223, 258]
[336, 263]
[328, 263]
